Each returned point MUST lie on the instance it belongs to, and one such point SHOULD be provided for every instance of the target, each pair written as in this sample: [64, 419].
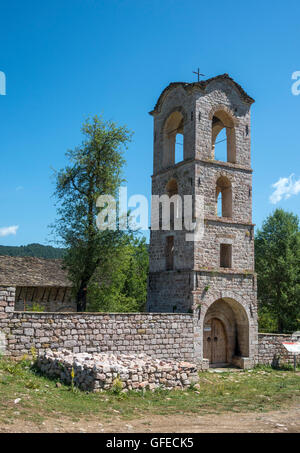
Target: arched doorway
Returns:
[225, 332]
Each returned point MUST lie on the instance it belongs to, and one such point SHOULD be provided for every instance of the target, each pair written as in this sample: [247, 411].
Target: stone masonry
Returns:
[218, 269]
[272, 352]
[202, 305]
[167, 336]
[159, 335]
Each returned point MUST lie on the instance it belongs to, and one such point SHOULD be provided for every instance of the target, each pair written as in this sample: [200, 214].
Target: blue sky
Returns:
[65, 60]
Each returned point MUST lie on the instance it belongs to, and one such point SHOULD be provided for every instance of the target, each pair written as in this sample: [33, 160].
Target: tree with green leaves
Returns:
[120, 281]
[94, 169]
[277, 262]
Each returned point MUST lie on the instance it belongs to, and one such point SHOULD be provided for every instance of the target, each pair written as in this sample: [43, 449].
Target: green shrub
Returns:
[36, 308]
[117, 386]
[267, 322]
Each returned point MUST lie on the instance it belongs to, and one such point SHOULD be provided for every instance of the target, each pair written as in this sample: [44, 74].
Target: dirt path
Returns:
[285, 420]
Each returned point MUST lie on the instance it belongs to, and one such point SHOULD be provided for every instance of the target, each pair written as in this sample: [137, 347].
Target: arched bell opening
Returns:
[173, 139]
[223, 137]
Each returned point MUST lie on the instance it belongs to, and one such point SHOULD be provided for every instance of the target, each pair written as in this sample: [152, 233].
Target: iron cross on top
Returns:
[198, 74]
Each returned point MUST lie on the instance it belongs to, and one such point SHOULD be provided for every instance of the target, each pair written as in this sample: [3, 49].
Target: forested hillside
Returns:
[38, 250]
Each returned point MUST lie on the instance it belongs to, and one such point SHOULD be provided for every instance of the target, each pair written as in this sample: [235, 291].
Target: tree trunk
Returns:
[81, 298]
[280, 325]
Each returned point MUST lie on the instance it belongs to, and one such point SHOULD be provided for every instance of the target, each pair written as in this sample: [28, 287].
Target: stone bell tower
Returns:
[213, 276]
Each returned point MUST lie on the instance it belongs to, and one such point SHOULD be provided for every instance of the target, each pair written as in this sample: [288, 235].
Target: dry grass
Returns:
[258, 390]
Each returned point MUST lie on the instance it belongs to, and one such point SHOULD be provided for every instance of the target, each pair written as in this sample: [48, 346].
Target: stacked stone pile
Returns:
[98, 371]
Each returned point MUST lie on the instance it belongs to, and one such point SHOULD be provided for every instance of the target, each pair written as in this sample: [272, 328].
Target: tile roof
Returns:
[30, 271]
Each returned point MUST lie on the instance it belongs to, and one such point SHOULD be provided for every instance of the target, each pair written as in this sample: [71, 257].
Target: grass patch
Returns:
[26, 395]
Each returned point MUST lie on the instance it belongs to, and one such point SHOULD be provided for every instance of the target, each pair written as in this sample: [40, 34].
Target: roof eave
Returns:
[202, 86]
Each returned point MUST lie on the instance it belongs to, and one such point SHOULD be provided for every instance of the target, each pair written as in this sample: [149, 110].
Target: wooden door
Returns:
[218, 342]
[215, 344]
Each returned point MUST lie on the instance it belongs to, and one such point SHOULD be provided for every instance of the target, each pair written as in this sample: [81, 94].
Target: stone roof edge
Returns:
[202, 85]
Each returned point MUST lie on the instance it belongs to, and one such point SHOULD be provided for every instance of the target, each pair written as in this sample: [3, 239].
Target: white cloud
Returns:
[6, 231]
[285, 188]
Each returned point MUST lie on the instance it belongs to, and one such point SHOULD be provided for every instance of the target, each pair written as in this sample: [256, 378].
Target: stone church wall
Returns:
[161, 335]
[157, 334]
[271, 351]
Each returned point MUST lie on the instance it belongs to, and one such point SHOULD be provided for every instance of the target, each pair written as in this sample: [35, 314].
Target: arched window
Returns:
[223, 137]
[173, 151]
[223, 197]
[219, 204]
[179, 148]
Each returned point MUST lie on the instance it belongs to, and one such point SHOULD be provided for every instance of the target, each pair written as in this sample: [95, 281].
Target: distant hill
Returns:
[37, 250]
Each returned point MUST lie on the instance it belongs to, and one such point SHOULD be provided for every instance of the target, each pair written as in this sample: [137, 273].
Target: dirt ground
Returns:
[283, 421]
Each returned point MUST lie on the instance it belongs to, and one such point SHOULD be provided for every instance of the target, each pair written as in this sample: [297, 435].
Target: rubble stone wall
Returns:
[122, 372]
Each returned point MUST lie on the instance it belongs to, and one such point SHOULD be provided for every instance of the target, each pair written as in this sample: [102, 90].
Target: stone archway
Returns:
[225, 332]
